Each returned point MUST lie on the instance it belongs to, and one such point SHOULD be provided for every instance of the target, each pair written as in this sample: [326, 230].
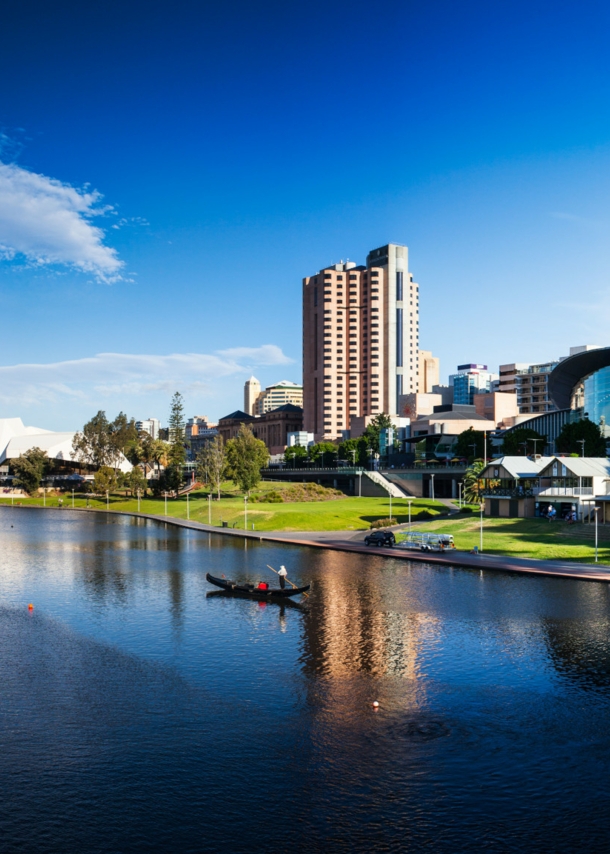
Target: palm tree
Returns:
[473, 483]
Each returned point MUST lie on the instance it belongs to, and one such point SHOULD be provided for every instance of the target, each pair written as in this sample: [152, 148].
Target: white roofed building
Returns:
[16, 439]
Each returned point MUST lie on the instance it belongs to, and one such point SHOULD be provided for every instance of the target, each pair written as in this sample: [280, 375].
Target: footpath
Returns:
[353, 541]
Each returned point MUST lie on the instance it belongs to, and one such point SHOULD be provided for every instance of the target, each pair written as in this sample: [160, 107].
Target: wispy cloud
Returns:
[48, 222]
[120, 375]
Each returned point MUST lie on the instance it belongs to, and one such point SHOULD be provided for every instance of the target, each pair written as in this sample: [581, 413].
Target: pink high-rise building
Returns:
[360, 340]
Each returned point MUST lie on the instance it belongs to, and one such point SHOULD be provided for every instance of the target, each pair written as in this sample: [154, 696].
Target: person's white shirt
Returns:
[283, 572]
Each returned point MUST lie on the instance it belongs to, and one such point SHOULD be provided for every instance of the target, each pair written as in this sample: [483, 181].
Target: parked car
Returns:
[380, 538]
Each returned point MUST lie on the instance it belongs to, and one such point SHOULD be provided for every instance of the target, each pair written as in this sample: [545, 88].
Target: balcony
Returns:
[570, 491]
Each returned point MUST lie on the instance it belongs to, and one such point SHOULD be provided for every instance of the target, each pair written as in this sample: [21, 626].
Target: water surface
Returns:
[137, 713]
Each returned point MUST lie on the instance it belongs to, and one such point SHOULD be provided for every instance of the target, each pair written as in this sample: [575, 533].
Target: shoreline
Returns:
[332, 540]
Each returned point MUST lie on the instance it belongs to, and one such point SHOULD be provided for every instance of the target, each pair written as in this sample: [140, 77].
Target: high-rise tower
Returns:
[252, 389]
[360, 340]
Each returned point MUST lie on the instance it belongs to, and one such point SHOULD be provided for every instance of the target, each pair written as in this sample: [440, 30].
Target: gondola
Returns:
[282, 602]
[256, 591]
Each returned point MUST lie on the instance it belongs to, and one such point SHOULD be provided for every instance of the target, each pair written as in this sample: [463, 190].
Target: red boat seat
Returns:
[262, 585]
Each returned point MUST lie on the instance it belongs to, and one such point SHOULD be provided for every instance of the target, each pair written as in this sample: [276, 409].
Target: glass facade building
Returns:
[596, 399]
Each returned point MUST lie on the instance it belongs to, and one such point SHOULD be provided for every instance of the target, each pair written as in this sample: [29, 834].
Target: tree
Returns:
[371, 434]
[359, 446]
[158, 452]
[324, 453]
[177, 442]
[246, 456]
[136, 482]
[30, 468]
[105, 480]
[212, 462]
[465, 441]
[568, 440]
[103, 442]
[473, 483]
[519, 442]
[295, 456]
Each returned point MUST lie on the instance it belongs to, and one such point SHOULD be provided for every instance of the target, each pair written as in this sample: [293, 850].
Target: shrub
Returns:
[383, 523]
[465, 509]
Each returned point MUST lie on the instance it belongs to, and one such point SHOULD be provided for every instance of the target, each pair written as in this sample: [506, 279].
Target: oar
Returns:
[288, 580]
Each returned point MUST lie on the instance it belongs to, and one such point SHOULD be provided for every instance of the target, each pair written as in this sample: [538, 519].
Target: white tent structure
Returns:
[16, 439]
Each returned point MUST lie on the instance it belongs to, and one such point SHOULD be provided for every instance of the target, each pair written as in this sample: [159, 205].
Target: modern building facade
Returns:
[428, 372]
[150, 426]
[360, 340]
[278, 395]
[252, 389]
[470, 380]
[198, 432]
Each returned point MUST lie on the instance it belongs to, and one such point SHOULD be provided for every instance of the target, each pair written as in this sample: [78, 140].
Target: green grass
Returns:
[532, 538]
[342, 514]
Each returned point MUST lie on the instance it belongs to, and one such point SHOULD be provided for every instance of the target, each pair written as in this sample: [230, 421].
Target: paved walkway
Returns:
[353, 541]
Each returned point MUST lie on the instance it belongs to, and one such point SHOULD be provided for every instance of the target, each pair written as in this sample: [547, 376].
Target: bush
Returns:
[383, 523]
[466, 509]
[298, 492]
[271, 497]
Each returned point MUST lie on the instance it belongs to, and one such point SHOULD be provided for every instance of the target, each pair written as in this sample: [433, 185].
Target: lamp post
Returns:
[535, 441]
[353, 453]
[524, 448]
[165, 497]
[390, 494]
[73, 499]
[359, 484]
[139, 500]
[581, 442]
[44, 497]
[245, 512]
[481, 541]
[107, 500]
[209, 508]
[485, 446]
[432, 486]
[474, 451]
[410, 502]
[460, 494]
[187, 506]
[595, 509]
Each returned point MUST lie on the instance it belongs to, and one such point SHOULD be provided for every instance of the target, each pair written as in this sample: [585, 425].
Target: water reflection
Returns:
[167, 696]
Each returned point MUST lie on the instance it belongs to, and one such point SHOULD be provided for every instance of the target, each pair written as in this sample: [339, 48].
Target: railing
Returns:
[563, 490]
[500, 492]
[287, 469]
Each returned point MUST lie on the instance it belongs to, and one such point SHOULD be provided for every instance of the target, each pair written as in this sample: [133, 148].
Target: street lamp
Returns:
[535, 441]
[165, 497]
[139, 493]
[432, 485]
[460, 494]
[245, 512]
[524, 448]
[73, 499]
[187, 506]
[359, 484]
[209, 508]
[107, 500]
[481, 542]
[474, 451]
[581, 442]
[595, 509]
[409, 503]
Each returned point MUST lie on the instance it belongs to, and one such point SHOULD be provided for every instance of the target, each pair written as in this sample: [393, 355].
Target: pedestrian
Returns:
[282, 574]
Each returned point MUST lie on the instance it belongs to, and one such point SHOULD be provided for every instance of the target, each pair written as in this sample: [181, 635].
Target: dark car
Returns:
[380, 538]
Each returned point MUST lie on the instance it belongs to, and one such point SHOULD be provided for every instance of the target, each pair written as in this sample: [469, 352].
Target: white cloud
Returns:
[125, 376]
[48, 222]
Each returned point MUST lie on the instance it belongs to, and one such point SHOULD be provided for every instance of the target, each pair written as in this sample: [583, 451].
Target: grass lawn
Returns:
[534, 538]
[342, 514]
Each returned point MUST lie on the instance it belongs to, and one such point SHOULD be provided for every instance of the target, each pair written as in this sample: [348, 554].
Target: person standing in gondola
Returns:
[282, 574]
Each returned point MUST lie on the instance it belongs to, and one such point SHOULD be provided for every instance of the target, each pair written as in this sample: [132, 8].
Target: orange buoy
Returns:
[30, 607]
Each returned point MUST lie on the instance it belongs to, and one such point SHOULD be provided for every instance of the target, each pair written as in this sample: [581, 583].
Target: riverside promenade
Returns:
[353, 541]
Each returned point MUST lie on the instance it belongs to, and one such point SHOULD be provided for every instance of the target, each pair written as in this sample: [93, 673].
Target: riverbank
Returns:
[350, 541]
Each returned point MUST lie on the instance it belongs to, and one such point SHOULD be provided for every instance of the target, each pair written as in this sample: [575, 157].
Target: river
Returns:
[138, 713]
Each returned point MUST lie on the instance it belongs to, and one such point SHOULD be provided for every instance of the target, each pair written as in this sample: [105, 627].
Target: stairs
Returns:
[382, 481]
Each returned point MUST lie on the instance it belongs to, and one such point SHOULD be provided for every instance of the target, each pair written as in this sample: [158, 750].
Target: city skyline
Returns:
[160, 207]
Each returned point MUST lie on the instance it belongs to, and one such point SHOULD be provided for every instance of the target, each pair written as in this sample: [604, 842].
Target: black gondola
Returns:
[255, 591]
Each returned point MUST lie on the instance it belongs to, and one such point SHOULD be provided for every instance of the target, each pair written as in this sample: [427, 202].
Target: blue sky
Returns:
[169, 172]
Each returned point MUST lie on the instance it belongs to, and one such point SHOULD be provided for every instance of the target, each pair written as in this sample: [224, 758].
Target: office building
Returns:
[531, 382]
[252, 389]
[470, 380]
[150, 426]
[428, 372]
[360, 340]
[278, 395]
[272, 428]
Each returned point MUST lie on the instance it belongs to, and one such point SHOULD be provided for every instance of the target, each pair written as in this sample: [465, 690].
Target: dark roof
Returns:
[569, 372]
[238, 415]
[287, 407]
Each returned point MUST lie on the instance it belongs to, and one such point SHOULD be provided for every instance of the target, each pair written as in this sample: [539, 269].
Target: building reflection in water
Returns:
[359, 625]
